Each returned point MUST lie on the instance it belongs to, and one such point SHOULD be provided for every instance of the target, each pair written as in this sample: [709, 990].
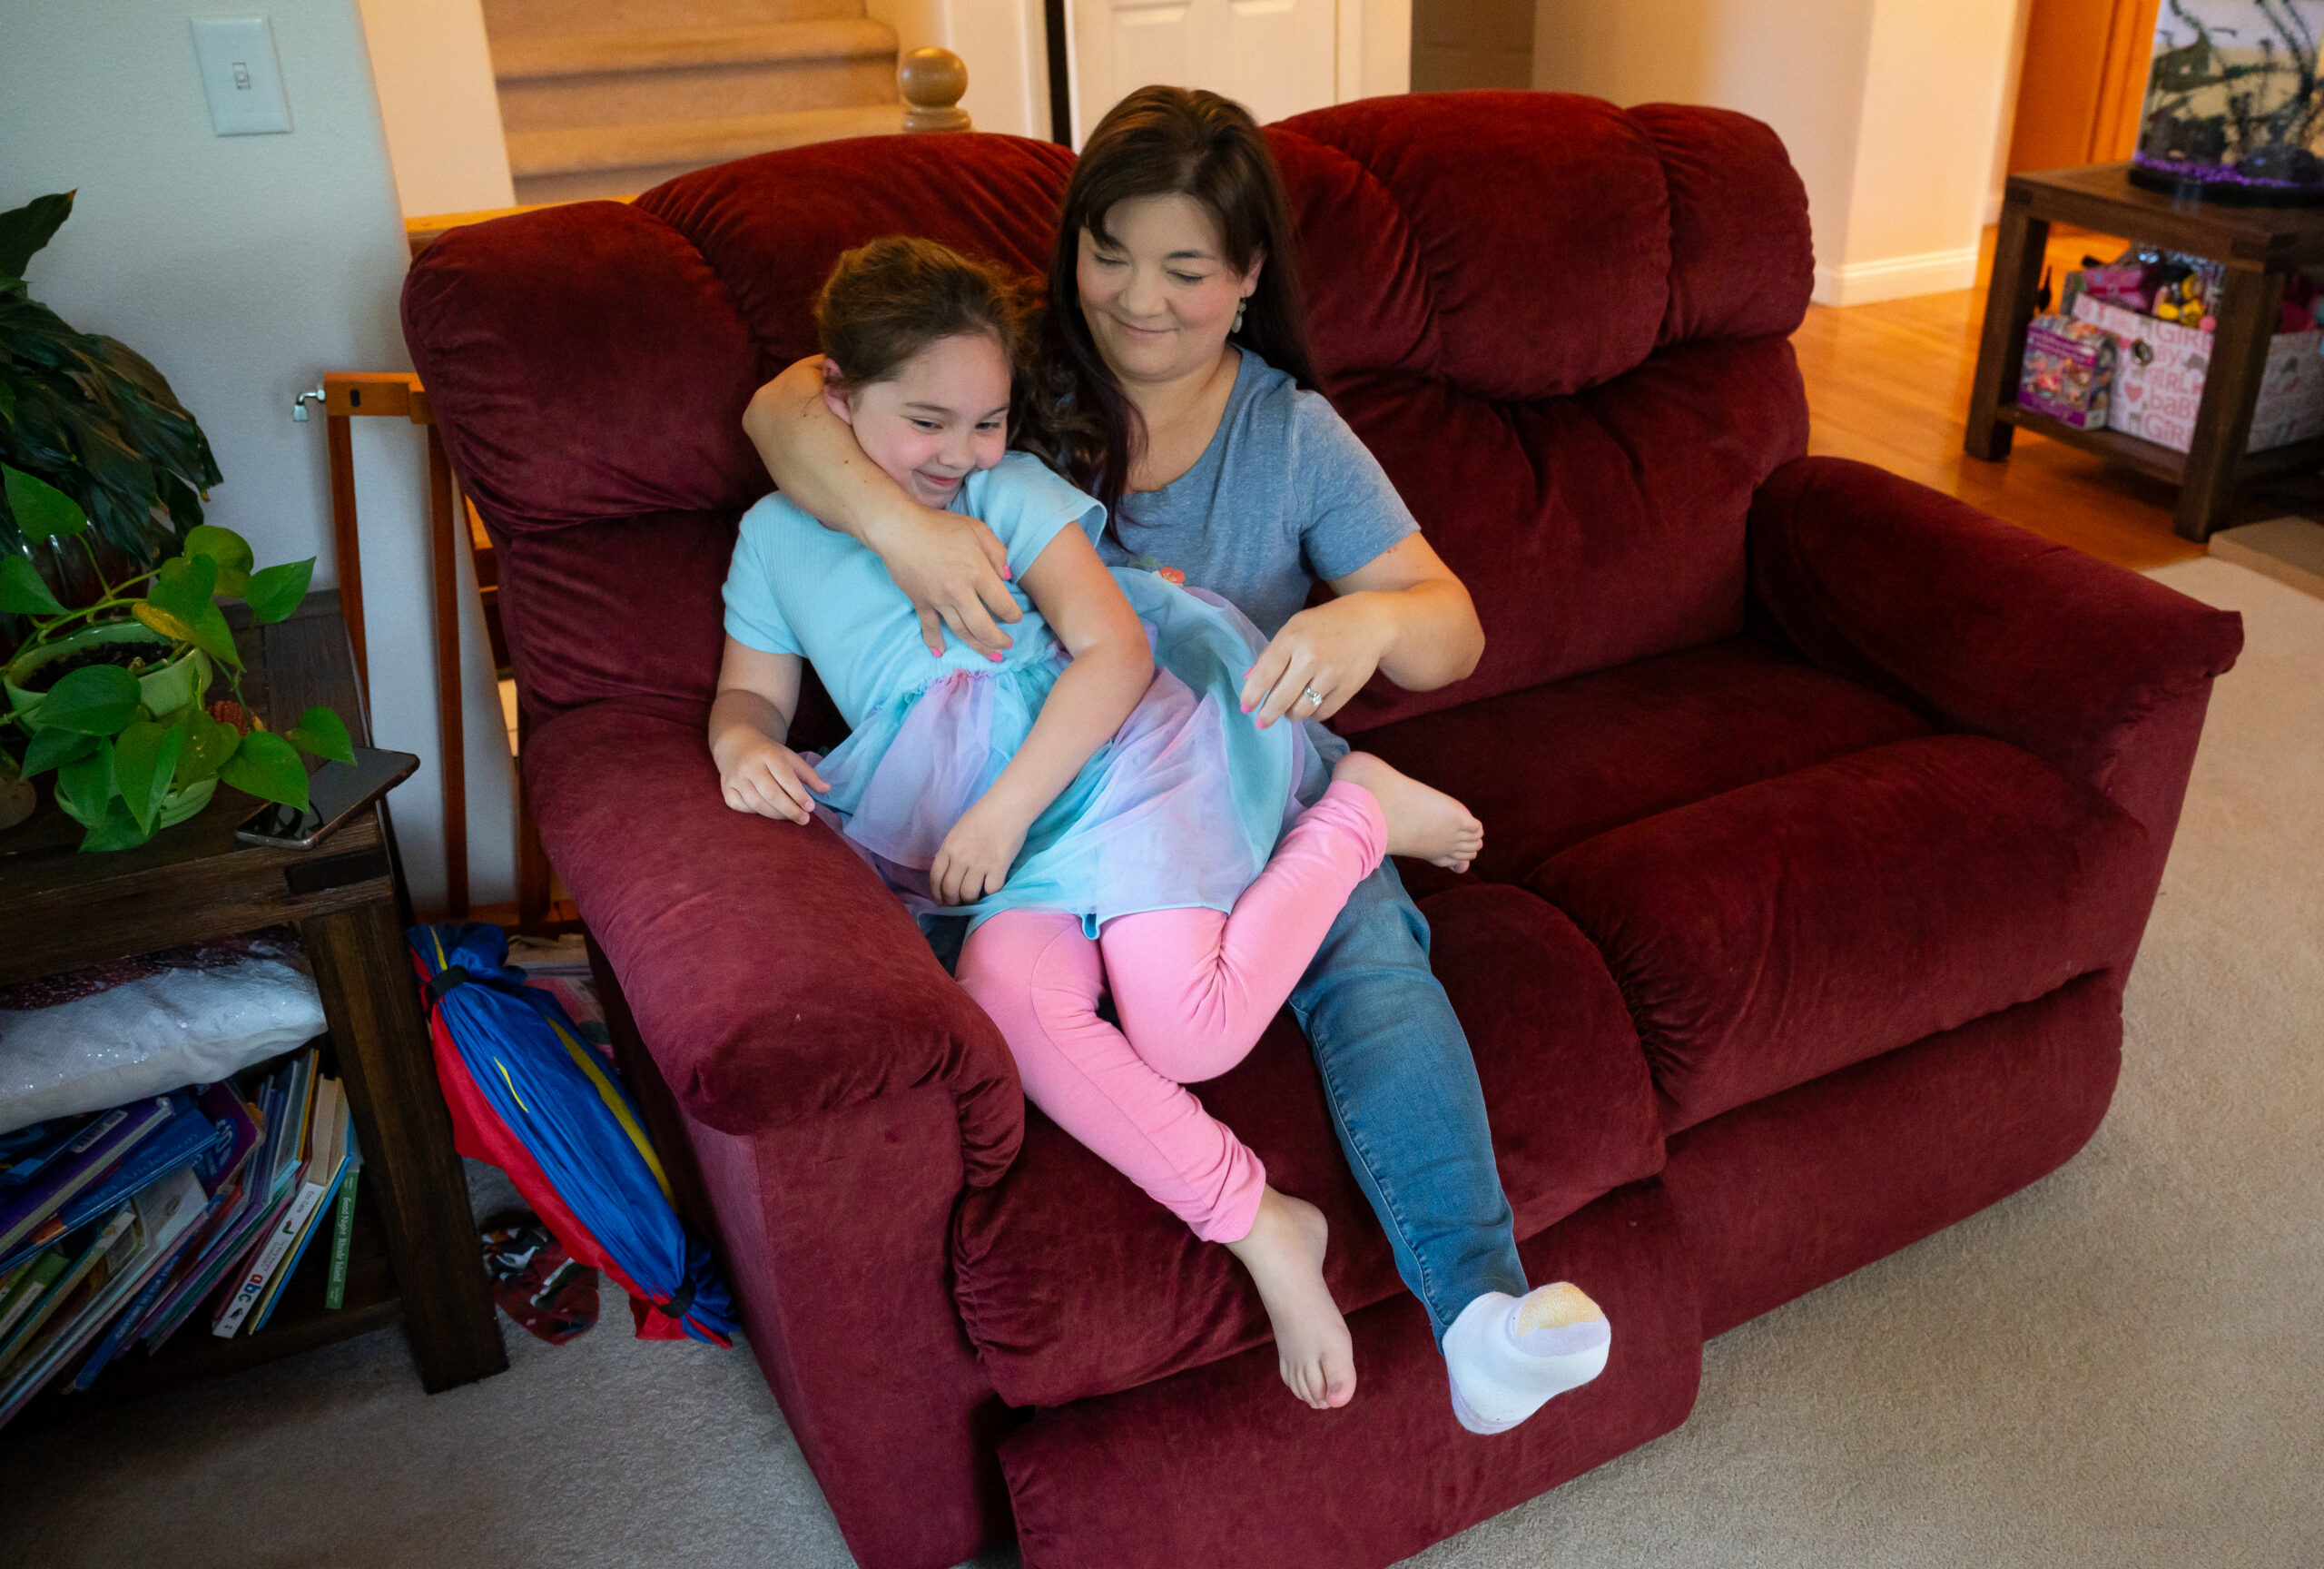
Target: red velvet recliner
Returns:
[1825, 815]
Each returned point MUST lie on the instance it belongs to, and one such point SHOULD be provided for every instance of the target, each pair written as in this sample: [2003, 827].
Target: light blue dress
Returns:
[1181, 808]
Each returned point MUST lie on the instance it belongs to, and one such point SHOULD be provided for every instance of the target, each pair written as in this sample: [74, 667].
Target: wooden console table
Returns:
[2260, 246]
[415, 1254]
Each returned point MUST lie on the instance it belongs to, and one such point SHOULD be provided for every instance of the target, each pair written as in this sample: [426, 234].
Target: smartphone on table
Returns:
[335, 793]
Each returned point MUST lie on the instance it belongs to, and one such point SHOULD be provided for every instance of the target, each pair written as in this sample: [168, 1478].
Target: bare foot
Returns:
[1285, 1254]
[1425, 824]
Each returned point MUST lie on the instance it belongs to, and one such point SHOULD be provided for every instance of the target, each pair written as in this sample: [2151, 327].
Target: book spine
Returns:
[246, 1295]
[343, 1240]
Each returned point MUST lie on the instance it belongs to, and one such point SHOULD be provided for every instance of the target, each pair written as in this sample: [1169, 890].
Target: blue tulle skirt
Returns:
[1180, 809]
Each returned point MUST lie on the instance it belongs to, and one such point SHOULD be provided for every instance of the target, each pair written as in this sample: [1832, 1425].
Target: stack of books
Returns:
[117, 1228]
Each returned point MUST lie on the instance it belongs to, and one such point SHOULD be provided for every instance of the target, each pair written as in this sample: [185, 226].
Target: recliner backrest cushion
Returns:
[1560, 325]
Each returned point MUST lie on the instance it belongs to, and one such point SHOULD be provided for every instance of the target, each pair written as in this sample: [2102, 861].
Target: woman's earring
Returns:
[1240, 306]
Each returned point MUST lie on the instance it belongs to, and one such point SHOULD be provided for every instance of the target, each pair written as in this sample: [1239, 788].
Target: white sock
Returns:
[1508, 1355]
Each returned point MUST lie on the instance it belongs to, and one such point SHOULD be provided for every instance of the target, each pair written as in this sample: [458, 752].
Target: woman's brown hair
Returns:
[887, 301]
[1169, 142]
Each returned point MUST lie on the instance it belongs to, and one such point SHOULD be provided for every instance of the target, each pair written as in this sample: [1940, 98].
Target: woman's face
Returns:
[938, 419]
[1160, 297]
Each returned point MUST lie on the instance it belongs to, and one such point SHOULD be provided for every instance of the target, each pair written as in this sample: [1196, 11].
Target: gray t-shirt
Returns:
[1284, 494]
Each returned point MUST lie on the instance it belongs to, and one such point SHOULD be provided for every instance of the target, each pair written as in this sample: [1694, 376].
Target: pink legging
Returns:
[1193, 989]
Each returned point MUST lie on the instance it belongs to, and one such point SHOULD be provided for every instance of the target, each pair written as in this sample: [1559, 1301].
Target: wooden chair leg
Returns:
[451, 732]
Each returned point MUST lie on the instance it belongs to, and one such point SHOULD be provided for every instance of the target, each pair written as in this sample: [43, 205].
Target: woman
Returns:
[1178, 322]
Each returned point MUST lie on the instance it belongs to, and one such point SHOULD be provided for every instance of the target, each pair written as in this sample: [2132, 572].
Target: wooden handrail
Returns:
[932, 82]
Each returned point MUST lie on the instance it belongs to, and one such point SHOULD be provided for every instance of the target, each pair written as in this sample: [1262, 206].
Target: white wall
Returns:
[244, 267]
[1889, 109]
[432, 70]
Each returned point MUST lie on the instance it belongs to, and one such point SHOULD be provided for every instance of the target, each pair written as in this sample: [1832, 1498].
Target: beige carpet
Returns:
[2122, 1365]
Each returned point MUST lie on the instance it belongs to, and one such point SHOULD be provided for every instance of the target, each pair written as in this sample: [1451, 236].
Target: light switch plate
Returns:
[241, 76]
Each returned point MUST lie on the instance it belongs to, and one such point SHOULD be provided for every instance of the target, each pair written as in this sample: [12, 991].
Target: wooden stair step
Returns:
[591, 149]
[534, 58]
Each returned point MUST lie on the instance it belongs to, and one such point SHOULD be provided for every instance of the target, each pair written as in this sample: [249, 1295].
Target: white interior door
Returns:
[1276, 57]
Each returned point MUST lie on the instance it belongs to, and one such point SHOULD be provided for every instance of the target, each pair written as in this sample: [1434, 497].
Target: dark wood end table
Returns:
[415, 1254]
[2260, 246]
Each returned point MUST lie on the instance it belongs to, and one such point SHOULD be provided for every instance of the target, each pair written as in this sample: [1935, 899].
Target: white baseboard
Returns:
[1896, 277]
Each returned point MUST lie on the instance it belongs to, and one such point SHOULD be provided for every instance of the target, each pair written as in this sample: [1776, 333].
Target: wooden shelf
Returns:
[300, 1323]
[2149, 458]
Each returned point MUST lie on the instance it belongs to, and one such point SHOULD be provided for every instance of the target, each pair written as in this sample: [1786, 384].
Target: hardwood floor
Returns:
[1889, 384]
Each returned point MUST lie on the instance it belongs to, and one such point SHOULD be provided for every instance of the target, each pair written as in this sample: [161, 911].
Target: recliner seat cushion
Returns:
[1548, 767]
[1774, 933]
[1072, 1282]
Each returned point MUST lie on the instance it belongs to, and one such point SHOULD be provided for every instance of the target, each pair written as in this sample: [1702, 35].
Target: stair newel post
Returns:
[933, 81]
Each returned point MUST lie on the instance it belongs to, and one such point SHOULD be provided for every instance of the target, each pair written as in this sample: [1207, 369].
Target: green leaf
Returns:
[87, 784]
[182, 605]
[176, 629]
[118, 829]
[144, 756]
[96, 700]
[274, 592]
[8, 404]
[321, 732]
[25, 231]
[208, 745]
[183, 586]
[53, 749]
[228, 548]
[266, 766]
[43, 511]
[21, 588]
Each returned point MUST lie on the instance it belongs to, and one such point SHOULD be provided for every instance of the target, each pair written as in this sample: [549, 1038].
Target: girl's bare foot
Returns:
[1285, 1254]
[1425, 824]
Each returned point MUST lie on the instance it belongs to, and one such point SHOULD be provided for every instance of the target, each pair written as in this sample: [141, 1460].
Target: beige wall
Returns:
[244, 267]
[432, 70]
[1890, 110]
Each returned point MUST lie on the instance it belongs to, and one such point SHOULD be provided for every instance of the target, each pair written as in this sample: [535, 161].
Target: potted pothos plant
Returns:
[109, 695]
[94, 443]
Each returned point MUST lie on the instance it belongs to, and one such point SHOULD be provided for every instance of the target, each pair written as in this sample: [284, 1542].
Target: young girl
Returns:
[1106, 824]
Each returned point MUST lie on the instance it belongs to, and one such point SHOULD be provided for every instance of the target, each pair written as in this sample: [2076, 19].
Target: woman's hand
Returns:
[954, 570]
[758, 775]
[1403, 613]
[976, 855]
[1330, 649]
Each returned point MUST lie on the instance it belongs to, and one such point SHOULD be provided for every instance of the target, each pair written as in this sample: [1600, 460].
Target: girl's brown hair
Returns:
[1169, 142]
[887, 301]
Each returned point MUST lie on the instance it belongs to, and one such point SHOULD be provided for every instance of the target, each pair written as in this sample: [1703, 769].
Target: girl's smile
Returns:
[940, 417]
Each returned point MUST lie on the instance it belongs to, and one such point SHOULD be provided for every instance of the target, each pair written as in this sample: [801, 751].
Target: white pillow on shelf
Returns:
[97, 1038]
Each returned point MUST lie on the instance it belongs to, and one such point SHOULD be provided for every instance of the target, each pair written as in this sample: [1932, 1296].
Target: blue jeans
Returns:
[1403, 1088]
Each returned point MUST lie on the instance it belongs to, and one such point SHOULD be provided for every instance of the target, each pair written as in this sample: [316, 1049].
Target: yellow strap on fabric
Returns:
[497, 1062]
[587, 1060]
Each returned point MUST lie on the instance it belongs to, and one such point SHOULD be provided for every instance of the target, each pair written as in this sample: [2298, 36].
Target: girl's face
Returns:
[938, 419]
[1160, 299]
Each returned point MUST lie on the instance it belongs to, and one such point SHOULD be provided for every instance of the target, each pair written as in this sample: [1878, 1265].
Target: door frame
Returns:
[1065, 86]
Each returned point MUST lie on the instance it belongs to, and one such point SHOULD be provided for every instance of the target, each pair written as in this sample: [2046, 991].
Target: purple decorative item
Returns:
[2069, 369]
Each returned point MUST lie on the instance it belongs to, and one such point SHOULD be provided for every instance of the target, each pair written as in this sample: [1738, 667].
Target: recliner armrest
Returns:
[1974, 622]
[772, 975]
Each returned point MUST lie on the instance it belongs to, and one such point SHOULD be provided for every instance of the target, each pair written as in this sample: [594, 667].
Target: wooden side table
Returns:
[2260, 246]
[59, 910]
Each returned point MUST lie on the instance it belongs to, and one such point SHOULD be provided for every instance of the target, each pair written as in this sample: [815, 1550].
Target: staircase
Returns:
[608, 97]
